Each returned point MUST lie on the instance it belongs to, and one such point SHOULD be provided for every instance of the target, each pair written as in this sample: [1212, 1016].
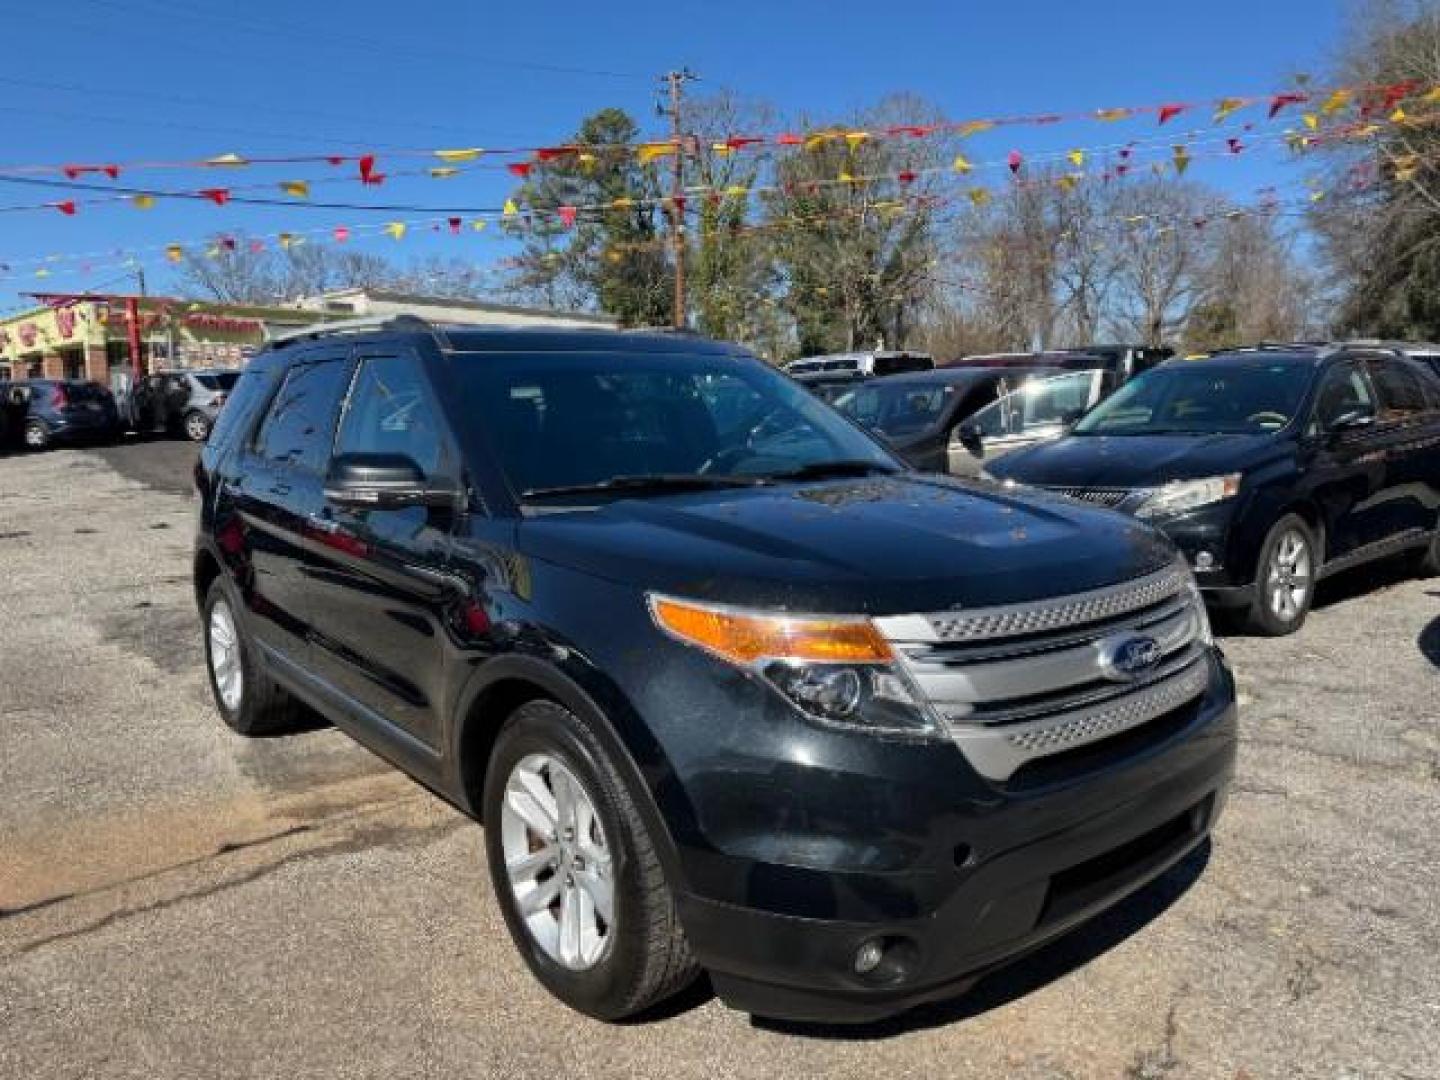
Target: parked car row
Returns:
[38, 413]
[1271, 467]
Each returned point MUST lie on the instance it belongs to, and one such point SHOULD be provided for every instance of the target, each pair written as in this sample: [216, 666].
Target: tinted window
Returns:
[897, 408]
[1038, 404]
[224, 380]
[391, 412]
[1400, 390]
[1202, 398]
[240, 407]
[559, 420]
[1343, 393]
[298, 428]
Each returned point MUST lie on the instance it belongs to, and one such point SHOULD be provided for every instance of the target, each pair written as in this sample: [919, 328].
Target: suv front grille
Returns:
[1025, 682]
[1098, 496]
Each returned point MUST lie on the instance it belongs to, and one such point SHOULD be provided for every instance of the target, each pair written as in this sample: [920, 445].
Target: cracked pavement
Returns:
[178, 902]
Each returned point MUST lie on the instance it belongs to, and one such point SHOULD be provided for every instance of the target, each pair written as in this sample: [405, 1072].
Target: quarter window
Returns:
[298, 428]
[1343, 392]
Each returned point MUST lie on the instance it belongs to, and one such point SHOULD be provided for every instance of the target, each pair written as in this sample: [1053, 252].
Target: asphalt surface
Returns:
[176, 901]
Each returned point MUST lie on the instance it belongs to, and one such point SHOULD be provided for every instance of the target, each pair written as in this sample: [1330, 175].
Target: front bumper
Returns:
[1066, 852]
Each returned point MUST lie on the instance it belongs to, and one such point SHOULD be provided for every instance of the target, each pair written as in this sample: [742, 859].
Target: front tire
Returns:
[249, 700]
[575, 869]
[37, 435]
[196, 426]
[1285, 578]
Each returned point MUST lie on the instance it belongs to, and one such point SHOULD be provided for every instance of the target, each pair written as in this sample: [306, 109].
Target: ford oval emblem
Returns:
[1126, 658]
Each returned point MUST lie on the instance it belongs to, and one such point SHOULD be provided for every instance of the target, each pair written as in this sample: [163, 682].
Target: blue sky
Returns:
[124, 80]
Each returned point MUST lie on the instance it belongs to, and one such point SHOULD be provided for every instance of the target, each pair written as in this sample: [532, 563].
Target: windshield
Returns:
[1041, 404]
[224, 380]
[567, 420]
[1202, 398]
[897, 409]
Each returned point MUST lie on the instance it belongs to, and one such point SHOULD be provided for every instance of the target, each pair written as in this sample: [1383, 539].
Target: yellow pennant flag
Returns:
[979, 196]
[587, 161]
[1111, 115]
[288, 240]
[42, 272]
[510, 209]
[1311, 121]
[649, 152]
[1316, 196]
[845, 177]
[174, 252]
[1067, 182]
[469, 153]
[1228, 106]
[444, 172]
[1336, 101]
[961, 164]
[1181, 159]
[624, 202]
[1406, 167]
[144, 202]
[299, 189]
[973, 127]
[855, 138]
[1431, 97]
[234, 161]
[721, 148]
[397, 229]
[1077, 158]
[1399, 116]
[479, 224]
[737, 191]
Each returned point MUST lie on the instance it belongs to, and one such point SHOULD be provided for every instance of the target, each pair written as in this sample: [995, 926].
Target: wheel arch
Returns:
[206, 569]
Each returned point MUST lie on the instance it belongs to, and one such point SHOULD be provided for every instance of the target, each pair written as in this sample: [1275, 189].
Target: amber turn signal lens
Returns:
[745, 637]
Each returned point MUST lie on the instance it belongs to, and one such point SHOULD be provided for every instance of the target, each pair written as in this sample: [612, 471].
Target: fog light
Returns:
[1204, 561]
[868, 957]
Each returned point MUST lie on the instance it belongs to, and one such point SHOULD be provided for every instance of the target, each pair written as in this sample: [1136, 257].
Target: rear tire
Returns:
[595, 857]
[196, 426]
[37, 435]
[1285, 578]
[247, 697]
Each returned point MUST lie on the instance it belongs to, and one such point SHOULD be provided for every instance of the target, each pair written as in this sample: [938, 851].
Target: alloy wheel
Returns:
[196, 427]
[225, 656]
[558, 862]
[34, 435]
[1289, 577]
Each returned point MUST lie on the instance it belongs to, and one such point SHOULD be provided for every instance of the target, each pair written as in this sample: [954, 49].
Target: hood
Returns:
[879, 545]
[1133, 461]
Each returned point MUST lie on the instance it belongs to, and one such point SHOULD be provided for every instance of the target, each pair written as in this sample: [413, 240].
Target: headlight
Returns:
[835, 669]
[1183, 495]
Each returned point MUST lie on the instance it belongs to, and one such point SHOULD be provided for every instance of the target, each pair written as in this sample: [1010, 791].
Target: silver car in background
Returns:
[1043, 408]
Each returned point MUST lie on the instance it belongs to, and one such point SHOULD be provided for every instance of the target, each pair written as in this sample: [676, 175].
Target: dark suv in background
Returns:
[730, 687]
[1271, 468]
[61, 410]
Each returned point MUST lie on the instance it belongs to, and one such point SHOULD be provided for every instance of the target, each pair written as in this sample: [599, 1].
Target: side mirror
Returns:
[1070, 417]
[968, 435]
[384, 482]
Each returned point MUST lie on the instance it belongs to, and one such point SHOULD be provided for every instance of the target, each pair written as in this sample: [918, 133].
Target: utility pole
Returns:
[677, 81]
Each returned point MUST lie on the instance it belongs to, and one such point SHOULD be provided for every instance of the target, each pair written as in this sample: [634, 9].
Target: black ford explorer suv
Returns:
[1270, 468]
[730, 687]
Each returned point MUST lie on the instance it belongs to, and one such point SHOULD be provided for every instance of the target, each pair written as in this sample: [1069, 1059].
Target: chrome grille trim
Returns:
[996, 752]
[1037, 617]
[1107, 497]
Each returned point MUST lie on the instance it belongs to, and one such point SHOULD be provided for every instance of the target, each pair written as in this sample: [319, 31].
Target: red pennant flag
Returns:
[1280, 101]
[906, 177]
[73, 172]
[367, 167]
[1015, 161]
[739, 142]
[341, 234]
[257, 246]
[915, 131]
[1169, 112]
[520, 168]
[1126, 152]
[67, 207]
[1121, 170]
[1235, 145]
[336, 160]
[550, 153]
[567, 216]
[1049, 118]
[227, 243]
[112, 171]
[454, 224]
[787, 139]
[1397, 92]
[375, 179]
[218, 195]
[679, 203]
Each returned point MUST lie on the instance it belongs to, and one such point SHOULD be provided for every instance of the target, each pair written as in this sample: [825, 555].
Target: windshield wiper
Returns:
[642, 482]
[820, 470]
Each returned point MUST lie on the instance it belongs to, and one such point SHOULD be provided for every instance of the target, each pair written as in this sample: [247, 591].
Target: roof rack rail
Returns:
[364, 324]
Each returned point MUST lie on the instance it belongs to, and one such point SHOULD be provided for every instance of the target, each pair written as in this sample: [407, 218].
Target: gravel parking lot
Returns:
[178, 902]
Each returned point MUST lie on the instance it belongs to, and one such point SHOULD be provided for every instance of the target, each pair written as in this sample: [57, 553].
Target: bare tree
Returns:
[234, 270]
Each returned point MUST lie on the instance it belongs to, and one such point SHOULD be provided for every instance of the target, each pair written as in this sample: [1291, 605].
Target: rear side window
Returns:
[298, 429]
[391, 412]
[1400, 390]
[240, 407]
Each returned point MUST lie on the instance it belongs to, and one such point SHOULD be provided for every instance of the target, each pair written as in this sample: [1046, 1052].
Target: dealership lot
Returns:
[176, 901]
